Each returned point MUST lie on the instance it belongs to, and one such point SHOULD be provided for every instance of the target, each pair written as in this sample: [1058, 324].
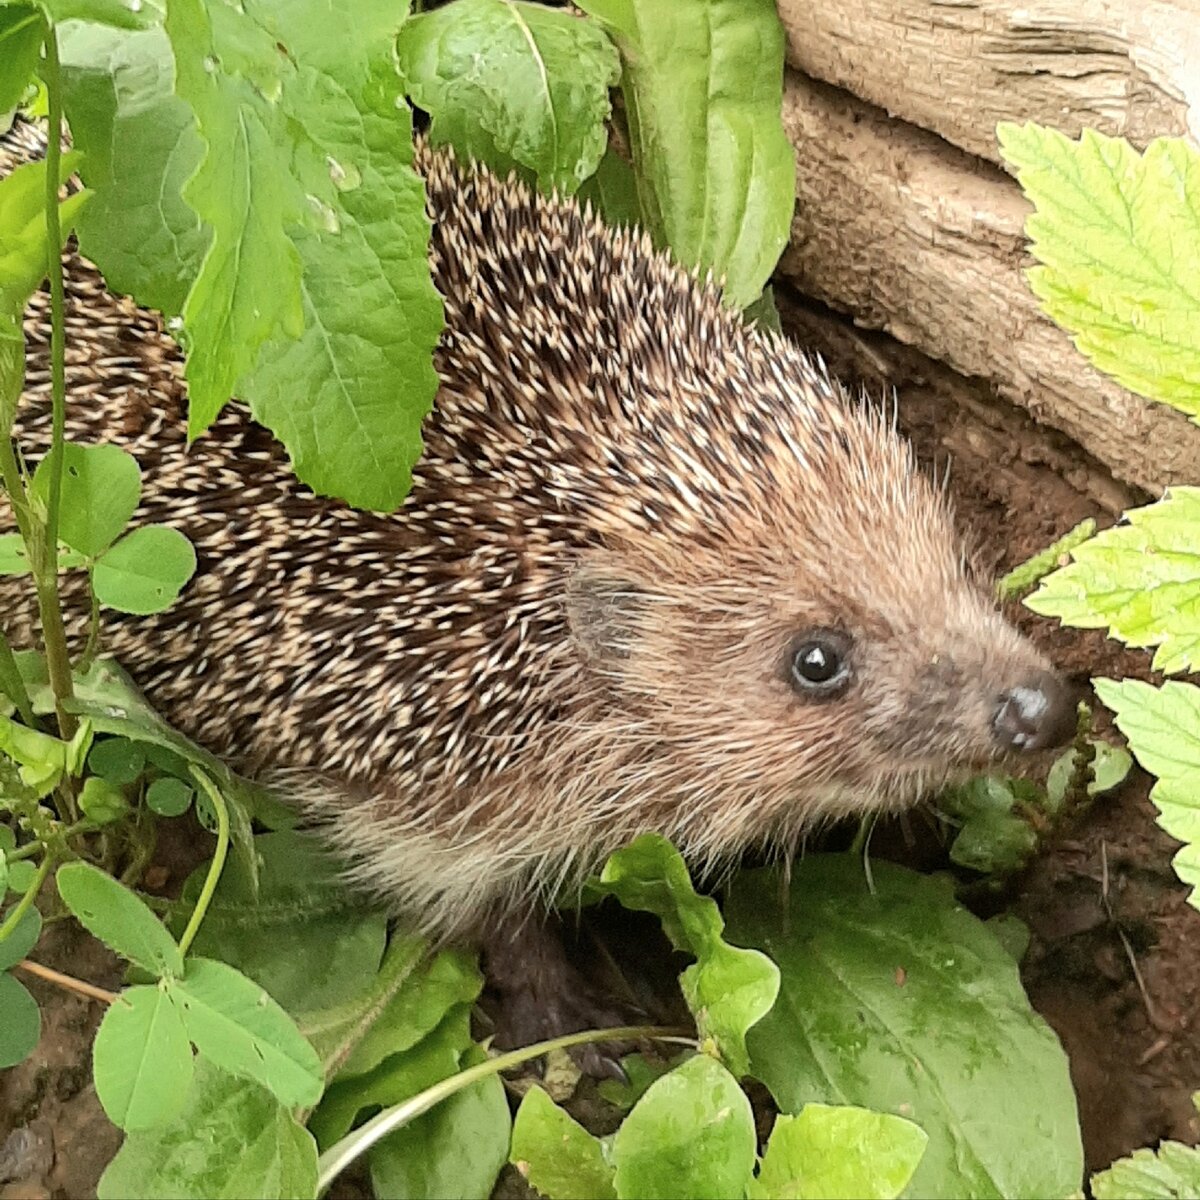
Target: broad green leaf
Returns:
[456, 1149]
[727, 989]
[14, 560]
[169, 797]
[42, 758]
[510, 82]
[994, 844]
[318, 266]
[142, 1059]
[690, 1135]
[1139, 579]
[838, 1153]
[145, 571]
[141, 147]
[612, 191]
[118, 760]
[1109, 767]
[21, 877]
[558, 1157]
[1163, 729]
[101, 486]
[236, 1025]
[900, 1000]
[23, 246]
[1117, 235]
[22, 939]
[703, 88]
[122, 14]
[101, 802]
[20, 1022]
[20, 47]
[1171, 1172]
[233, 1141]
[293, 928]
[112, 913]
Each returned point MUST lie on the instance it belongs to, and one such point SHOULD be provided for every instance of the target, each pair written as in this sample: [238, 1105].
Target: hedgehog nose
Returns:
[1037, 713]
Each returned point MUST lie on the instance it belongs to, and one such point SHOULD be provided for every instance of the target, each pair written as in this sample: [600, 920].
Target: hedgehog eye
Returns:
[820, 664]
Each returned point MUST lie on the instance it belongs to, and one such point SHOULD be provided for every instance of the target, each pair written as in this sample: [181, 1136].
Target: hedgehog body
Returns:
[637, 529]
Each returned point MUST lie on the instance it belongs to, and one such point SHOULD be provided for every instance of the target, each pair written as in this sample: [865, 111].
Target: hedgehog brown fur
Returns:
[631, 511]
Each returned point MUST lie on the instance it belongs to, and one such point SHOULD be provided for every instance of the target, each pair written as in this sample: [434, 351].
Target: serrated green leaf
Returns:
[141, 146]
[101, 486]
[169, 797]
[252, 1149]
[142, 1060]
[508, 82]
[1118, 237]
[20, 1022]
[118, 760]
[727, 989]
[1162, 726]
[145, 571]
[1172, 1172]
[1140, 579]
[703, 87]
[557, 1156]
[894, 997]
[23, 938]
[112, 913]
[836, 1152]
[690, 1136]
[319, 252]
[99, 801]
[236, 1025]
[20, 47]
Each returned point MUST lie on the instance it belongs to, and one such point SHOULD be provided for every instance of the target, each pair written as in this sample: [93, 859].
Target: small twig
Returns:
[67, 981]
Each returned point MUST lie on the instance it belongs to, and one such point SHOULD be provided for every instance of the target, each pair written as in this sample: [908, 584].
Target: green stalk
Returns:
[356, 1143]
[217, 864]
[13, 685]
[54, 633]
[22, 906]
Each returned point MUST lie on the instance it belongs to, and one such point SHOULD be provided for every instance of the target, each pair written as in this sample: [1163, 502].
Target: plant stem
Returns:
[217, 864]
[93, 635]
[13, 685]
[67, 981]
[356, 1143]
[84, 825]
[22, 906]
[58, 660]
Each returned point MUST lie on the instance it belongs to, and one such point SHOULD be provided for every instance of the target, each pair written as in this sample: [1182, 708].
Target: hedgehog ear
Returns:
[604, 609]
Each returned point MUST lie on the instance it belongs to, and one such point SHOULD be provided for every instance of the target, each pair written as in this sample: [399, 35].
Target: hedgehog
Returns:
[657, 571]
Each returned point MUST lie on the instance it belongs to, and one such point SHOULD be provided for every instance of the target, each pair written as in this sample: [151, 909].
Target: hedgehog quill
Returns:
[657, 571]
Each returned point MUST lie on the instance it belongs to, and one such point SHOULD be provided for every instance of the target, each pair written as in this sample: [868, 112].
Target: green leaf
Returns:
[1110, 766]
[703, 87]
[14, 560]
[236, 1025]
[123, 14]
[118, 760]
[456, 1149]
[20, 47]
[141, 146]
[1140, 579]
[169, 797]
[145, 571]
[834, 1152]
[101, 487]
[994, 844]
[612, 191]
[318, 266]
[233, 1141]
[556, 1154]
[22, 939]
[142, 1059]
[112, 913]
[1172, 1172]
[727, 989]
[21, 877]
[690, 1135]
[99, 801]
[900, 1000]
[509, 82]
[1163, 728]
[20, 1022]
[1117, 235]
[23, 246]
[42, 758]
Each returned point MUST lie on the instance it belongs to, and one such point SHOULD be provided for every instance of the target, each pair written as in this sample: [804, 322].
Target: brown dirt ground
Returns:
[1111, 965]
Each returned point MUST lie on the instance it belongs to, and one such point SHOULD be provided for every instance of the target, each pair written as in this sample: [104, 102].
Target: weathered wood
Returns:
[1129, 67]
[912, 236]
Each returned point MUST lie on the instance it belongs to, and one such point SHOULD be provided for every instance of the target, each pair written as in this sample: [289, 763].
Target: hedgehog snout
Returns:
[1037, 713]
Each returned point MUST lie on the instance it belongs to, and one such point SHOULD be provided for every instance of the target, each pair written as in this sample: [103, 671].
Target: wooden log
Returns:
[912, 236]
[957, 67]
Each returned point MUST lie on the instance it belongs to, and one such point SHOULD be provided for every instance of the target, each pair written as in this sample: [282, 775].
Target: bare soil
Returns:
[1111, 965]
